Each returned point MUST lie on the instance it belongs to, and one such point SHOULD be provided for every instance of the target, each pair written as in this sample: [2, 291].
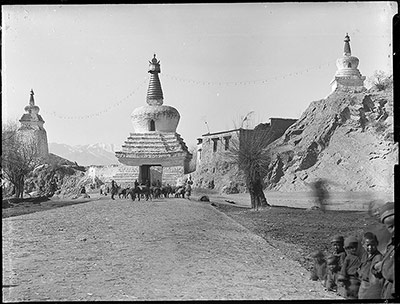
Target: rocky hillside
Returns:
[346, 139]
[57, 177]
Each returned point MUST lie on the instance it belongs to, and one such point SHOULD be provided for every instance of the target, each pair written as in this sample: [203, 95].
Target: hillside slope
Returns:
[346, 139]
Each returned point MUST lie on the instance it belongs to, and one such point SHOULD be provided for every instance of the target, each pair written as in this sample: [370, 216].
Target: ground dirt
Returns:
[167, 249]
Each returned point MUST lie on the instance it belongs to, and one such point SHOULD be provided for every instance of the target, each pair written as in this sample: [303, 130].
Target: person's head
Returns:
[370, 243]
[318, 256]
[387, 217]
[351, 245]
[332, 262]
[389, 223]
[337, 243]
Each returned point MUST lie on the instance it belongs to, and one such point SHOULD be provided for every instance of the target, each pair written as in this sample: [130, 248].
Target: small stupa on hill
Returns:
[347, 76]
[154, 151]
[32, 131]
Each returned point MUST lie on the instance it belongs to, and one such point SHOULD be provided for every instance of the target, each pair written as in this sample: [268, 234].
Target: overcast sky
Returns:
[88, 64]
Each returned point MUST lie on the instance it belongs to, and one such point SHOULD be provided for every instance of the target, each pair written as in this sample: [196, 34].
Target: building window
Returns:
[152, 125]
[227, 138]
[215, 144]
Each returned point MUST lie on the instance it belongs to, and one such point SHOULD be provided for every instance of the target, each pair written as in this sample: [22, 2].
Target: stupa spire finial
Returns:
[154, 92]
[31, 99]
[154, 66]
[347, 50]
[32, 108]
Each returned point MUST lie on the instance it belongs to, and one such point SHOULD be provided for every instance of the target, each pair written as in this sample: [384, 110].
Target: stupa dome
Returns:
[347, 66]
[155, 118]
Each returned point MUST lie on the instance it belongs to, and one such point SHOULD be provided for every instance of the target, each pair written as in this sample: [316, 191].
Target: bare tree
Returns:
[19, 157]
[381, 80]
[249, 151]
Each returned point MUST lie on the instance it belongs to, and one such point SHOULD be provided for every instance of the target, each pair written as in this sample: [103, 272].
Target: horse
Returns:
[179, 192]
[155, 191]
[123, 192]
[166, 190]
[140, 191]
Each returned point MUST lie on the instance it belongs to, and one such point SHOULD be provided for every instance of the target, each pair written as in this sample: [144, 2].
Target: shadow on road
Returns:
[11, 209]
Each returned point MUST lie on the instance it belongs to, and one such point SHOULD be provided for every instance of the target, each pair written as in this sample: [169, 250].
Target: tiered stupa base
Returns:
[126, 175]
[350, 83]
[163, 152]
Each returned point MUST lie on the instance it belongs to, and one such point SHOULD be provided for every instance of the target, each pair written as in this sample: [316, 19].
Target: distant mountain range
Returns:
[86, 155]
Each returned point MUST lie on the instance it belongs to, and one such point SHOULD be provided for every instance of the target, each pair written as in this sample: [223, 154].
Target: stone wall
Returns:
[280, 125]
[172, 175]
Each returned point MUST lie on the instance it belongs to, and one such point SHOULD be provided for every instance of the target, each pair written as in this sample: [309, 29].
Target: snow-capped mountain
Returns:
[86, 155]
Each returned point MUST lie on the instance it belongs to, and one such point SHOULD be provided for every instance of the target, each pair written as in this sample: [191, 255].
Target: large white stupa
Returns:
[154, 141]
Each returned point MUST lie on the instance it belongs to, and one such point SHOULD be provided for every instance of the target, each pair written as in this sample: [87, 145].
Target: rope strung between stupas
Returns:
[191, 81]
[245, 83]
[99, 113]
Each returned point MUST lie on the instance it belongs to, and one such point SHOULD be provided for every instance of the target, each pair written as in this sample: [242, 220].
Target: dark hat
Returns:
[386, 210]
[317, 254]
[332, 259]
[370, 236]
[349, 240]
[337, 238]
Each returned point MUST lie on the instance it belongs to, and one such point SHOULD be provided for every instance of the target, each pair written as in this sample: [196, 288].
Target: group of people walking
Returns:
[359, 272]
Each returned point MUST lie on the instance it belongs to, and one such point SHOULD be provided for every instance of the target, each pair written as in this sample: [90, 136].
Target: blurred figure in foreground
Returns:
[318, 272]
[321, 194]
[385, 268]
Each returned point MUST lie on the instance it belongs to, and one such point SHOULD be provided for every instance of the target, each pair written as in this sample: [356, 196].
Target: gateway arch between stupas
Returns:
[154, 151]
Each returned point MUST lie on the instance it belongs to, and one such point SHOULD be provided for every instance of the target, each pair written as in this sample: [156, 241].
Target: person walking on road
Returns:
[188, 190]
[114, 189]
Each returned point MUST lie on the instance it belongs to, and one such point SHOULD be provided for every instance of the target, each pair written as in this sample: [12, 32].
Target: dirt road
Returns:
[161, 250]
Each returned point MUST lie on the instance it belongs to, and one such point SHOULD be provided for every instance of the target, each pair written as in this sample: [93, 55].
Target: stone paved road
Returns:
[174, 249]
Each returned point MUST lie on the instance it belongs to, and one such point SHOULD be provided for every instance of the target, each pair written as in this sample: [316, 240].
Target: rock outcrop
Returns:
[346, 139]
[58, 177]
